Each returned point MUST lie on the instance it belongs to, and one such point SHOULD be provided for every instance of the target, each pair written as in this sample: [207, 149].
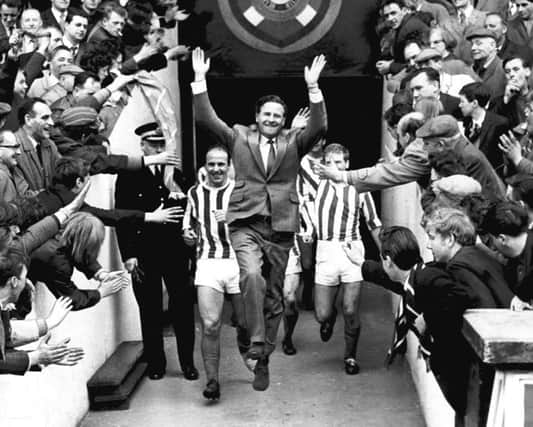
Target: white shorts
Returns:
[333, 266]
[294, 266]
[221, 274]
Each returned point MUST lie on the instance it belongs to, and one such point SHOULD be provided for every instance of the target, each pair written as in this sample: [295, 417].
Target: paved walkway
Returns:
[308, 389]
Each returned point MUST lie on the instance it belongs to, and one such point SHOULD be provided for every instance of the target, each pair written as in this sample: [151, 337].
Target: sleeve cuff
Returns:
[61, 216]
[135, 162]
[199, 87]
[314, 97]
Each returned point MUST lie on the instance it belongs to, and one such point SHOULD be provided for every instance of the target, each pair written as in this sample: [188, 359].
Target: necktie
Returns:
[158, 173]
[271, 156]
[474, 132]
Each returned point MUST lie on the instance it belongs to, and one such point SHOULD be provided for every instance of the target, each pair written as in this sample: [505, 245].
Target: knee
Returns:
[349, 310]
[289, 298]
[250, 274]
[211, 327]
[322, 315]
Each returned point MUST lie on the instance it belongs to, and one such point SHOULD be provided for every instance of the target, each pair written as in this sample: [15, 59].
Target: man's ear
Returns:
[503, 239]
[13, 282]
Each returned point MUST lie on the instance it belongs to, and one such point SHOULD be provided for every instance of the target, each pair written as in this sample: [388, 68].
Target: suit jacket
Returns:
[517, 33]
[499, 6]
[493, 77]
[49, 20]
[437, 11]
[37, 174]
[519, 271]
[144, 191]
[458, 31]
[513, 111]
[11, 361]
[488, 138]
[450, 105]
[53, 264]
[510, 48]
[254, 189]
[411, 27]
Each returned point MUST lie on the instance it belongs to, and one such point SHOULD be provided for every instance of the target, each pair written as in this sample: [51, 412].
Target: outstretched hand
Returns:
[511, 147]
[200, 64]
[300, 119]
[326, 172]
[312, 73]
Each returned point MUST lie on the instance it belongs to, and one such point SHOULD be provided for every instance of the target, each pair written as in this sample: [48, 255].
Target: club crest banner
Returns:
[265, 38]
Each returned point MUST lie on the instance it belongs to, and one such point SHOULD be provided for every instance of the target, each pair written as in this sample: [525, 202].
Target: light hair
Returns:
[83, 235]
[451, 222]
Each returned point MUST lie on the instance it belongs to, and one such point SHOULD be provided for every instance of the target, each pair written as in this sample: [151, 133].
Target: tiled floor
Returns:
[308, 389]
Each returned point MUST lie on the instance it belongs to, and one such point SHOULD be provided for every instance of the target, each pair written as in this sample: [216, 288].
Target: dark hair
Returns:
[140, 15]
[506, 217]
[99, 55]
[526, 61]
[447, 162]
[336, 148]
[393, 115]
[432, 74]
[12, 3]
[476, 91]
[27, 108]
[219, 147]
[57, 49]
[72, 12]
[9, 214]
[111, 6]
[12, 261]
[68, 170]
[270, 98]
[400, 244]
[400, 3]
[81, 78]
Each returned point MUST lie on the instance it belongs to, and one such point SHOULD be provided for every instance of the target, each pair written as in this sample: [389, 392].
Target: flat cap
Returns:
[473, 32]
[151, 133]
[426, 54]
[70, 69]
[444, 126]
[78, 116]
[4, 108]
[459, 185]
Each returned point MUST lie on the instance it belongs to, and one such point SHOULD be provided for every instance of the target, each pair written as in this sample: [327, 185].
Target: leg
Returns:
[307, 258]
[243, 339]
[352, 324]
[325, 311]
[290, 316]
[149, 296]
[210, 305]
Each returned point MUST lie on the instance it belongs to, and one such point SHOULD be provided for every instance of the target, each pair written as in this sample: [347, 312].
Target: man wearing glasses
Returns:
[12, 184]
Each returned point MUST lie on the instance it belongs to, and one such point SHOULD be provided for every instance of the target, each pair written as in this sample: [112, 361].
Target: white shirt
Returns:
[264, 147]
[480, 120]
[61, 17]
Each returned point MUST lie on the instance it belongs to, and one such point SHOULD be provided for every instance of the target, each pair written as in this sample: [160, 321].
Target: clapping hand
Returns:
[511, 147]
[312, 73]
[200, 64]
[61, 308]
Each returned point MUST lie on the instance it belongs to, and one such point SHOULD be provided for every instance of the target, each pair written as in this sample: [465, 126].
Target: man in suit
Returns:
[487, 65]
[56, 16]
[519, 28]
[111, 24]
[156, 252]
[76, 25]
[263, 208]
[405, 26]
[506, 47]
[458, 25]
[483, 128]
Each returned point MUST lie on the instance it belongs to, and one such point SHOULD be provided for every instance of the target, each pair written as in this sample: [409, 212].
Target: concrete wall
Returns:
[401, 206]
[57, 396]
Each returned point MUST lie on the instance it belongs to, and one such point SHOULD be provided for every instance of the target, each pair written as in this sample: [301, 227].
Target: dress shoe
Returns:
[326, 328]
[256, 351]
[156, 375]
[190, 373]
[350, 366]
[212, 390]
[261, 379]
[288, 347]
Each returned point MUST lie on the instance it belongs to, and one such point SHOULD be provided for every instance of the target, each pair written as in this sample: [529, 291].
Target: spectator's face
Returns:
[90, 5]
[30, 21]
[503, 245]
[482, 48]
[439, 245]
[393, 131]
[421, 87]
[103, 72]
[516, 74]
[17, 285]
[524, 8]
[40, 122]
[433, 145]
[56, 38]
[155, 38]
[437, 42]
[434, 63]
[67, 81]
[495, 24]
[149, 149]
[9, 149]
[76, 29]
[336, 160]
[62, 57]
[270, 119]
[21, 86]
[114, 24]
[410, 52]
[9, 15]
[216, 165]
[393, 15]
[61, 4]
[466, 106]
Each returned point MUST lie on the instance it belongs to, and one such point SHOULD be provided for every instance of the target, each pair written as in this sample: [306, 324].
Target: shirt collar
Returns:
[264, 140]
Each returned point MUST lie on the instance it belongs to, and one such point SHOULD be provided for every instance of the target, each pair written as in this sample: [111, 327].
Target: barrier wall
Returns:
[436, 411]
[57, 396]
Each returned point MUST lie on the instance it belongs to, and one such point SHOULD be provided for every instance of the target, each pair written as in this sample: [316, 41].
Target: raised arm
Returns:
[205, 115]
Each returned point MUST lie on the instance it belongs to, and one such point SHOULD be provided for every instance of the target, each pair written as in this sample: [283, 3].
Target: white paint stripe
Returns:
[306, 15]
[253, 16]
